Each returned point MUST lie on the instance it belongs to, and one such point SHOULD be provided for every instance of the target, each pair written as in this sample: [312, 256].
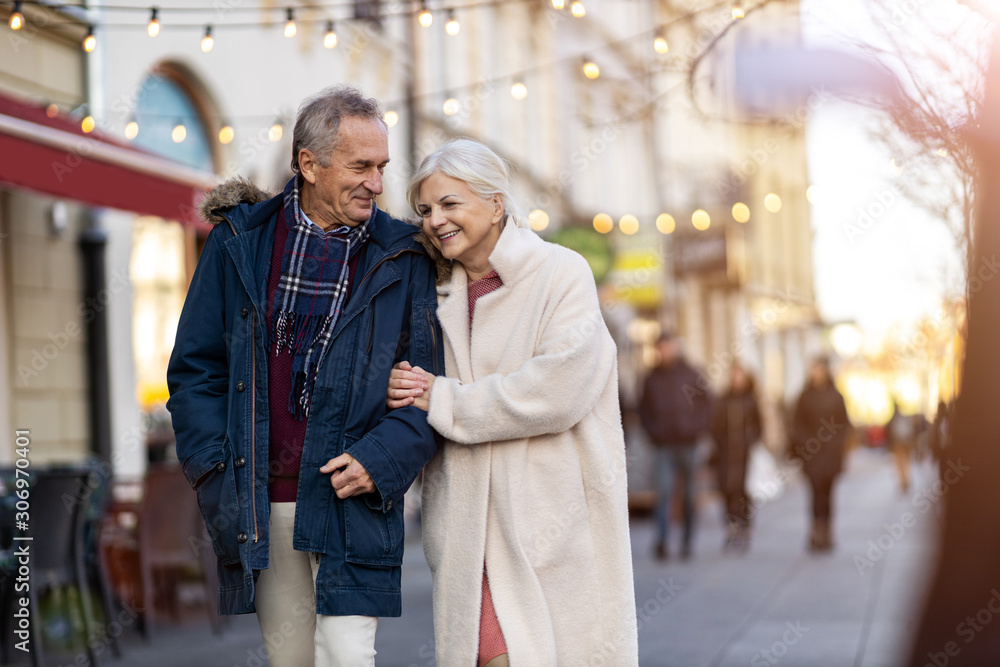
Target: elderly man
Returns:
[299, 307]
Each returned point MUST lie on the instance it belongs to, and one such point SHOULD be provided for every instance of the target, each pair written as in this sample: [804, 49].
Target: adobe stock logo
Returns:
[873, 213]
[777, 650]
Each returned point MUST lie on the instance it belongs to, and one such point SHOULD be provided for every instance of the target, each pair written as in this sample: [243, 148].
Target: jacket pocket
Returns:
[220, 506]
[373, 537]
[424, 336]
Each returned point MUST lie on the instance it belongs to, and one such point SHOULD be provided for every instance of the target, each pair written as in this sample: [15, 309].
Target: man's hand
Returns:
[351, 480]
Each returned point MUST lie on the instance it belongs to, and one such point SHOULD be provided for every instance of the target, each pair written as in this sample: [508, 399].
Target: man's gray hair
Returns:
[318, 121]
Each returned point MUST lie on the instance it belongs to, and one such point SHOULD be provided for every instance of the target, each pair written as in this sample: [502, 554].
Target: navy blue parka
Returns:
[219, 404]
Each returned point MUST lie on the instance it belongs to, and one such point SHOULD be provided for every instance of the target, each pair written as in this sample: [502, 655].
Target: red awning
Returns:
[54, 156]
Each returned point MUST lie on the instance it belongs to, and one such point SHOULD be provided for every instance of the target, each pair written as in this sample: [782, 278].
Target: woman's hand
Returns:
[409, 385]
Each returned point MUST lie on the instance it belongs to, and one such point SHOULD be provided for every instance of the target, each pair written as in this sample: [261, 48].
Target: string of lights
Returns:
[425, 17]
[451, 106]
[423, 13]
[700, 219]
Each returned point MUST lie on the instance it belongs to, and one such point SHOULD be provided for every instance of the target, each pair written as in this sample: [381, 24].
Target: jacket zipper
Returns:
[253, 410]
[434, 346]
[253, 423]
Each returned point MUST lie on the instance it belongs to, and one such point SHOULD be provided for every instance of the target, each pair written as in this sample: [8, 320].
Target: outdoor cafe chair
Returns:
[173, 539]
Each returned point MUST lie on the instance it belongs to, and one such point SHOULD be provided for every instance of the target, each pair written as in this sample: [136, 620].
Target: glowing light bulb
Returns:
[90, 42]
[16, 17]
[591, 70]
[741, 212]
[153, 27]
[452, 27]
[603, 223]
[391, 118]
[207, 42]
[274, 134]
[179, 133]
[578, 10]
[425, 18]
[290, 27]
[629, 224]
[660, 44]
[451, 106]
[538, 219]
[132, 130]
[665, 223]
[330, 38]
[738, 12]
[52, 110]
[558, 4]
[518, 91]
[701, 220]
[226, 134]
[88, 124]
[772, 203]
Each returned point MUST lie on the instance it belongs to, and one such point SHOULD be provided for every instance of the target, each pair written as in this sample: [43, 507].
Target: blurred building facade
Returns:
[43, 370]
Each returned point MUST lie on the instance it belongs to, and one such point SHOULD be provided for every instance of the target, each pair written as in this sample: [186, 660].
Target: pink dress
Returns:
[491, 641]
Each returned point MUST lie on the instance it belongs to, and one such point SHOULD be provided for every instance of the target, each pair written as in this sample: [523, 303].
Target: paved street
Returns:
[775, 605]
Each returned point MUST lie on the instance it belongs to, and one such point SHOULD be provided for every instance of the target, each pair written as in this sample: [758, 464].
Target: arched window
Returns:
[172, 121]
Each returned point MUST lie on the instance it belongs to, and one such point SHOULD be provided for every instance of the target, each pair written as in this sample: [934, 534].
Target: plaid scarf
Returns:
[311, 293]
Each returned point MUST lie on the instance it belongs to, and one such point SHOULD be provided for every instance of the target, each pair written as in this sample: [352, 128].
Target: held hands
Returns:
[350, 478]
[409, 385]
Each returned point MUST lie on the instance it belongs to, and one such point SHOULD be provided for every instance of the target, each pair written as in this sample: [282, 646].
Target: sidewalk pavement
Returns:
[779, 605]
[776, 605]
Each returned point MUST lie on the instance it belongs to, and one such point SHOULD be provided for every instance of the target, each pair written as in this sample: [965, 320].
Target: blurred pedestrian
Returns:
[819, 430]
[278, 403]
[940, 436]
[901, 432]
[675, 410]
[525, 505]
[735, 428]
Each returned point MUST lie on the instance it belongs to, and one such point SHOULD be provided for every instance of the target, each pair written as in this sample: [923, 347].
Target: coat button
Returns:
[388, 504]
[244, 312]
[240, 462]
[241, 385]
[242, 537]
[221, 466]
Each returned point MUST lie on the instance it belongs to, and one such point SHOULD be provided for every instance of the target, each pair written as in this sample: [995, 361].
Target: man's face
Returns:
[343, 192]
[669, 351]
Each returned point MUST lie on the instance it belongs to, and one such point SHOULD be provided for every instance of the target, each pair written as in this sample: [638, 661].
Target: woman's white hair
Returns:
[483, 171]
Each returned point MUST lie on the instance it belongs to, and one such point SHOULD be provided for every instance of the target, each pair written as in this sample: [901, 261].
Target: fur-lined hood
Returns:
[232, 193]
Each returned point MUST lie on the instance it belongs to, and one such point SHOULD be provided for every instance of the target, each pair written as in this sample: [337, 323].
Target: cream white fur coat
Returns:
[532, 474]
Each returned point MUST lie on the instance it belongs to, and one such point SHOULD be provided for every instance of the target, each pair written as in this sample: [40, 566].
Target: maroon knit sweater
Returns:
[287, 433]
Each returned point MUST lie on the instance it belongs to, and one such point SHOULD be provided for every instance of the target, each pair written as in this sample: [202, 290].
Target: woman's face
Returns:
[459, 223]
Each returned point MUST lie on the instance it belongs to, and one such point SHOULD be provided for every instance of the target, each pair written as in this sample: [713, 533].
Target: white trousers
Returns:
[294, 634]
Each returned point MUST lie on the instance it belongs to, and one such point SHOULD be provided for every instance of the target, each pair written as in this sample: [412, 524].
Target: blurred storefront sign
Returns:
[717, 255]
[700, 253]
[637, 275]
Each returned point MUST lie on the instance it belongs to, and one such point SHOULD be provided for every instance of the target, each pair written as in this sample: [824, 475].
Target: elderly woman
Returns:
[525, 508]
